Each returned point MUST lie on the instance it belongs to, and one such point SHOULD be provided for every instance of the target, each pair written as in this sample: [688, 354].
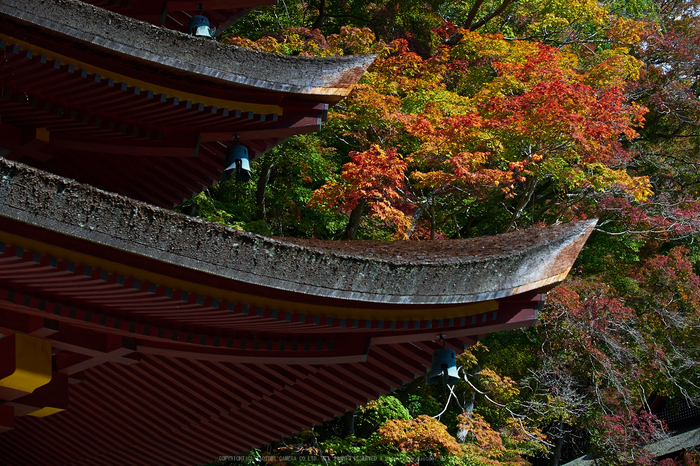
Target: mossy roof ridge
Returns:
[445, 271]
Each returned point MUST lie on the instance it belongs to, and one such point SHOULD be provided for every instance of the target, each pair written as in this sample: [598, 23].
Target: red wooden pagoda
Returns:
[136, 335]
[146, 111]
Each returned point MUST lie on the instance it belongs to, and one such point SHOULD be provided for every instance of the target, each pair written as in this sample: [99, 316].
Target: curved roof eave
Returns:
[179, 52]
[452, 272]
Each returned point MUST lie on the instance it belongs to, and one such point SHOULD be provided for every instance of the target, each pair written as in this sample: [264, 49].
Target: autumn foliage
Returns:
[534, 122]
[489, 116]
[373, 177]
[424, 436]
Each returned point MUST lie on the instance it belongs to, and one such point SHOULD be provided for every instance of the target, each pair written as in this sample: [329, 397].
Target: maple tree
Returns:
[534, 125]
[370, 180]
[423, 436]
[612, 346]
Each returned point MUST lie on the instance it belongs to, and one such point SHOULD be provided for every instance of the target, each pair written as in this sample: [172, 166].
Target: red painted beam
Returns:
[7, 418]
[182, 145]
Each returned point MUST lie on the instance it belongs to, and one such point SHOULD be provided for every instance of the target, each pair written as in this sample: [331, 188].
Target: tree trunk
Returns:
[414, 221]
[472, 14]
[466, 230]
[432, 216]
[523, 202]
[491, 15]
[355, 218]
[265, 171]
[349, 423]
[322, 17]
[556, 456]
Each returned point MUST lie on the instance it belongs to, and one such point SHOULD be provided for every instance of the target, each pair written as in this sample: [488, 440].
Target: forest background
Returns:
[485, 116]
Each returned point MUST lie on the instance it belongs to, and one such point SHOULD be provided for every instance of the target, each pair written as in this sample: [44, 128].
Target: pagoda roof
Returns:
[145, 111]
[105, 37]
[186, 340]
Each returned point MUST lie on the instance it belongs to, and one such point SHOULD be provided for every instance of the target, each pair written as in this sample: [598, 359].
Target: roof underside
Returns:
[177, 357]
[144, 111]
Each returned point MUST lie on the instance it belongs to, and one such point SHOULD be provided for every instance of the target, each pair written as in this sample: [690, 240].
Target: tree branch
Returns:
[490, 16]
